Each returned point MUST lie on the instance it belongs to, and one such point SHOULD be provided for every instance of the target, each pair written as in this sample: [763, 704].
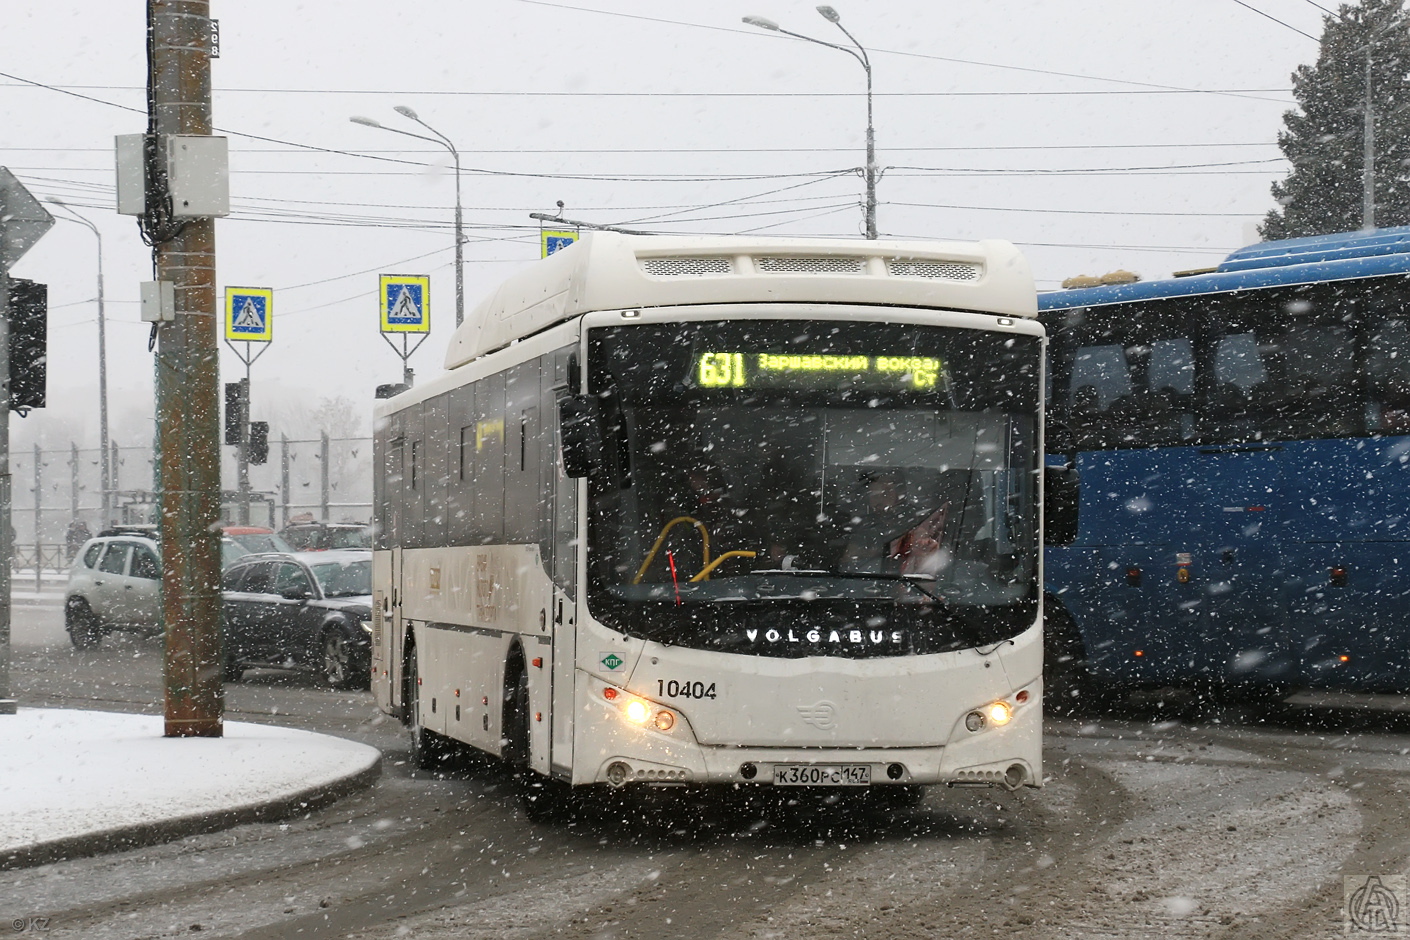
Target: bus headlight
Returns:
[665, 721]
[637, 711]
[999, 712]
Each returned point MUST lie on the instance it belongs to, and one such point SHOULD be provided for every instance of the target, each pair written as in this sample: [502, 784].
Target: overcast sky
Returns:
[1095, 134]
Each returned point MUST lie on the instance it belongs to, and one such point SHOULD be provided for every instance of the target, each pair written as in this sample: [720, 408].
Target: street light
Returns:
[444, 141]
[105, 459]
[860, 54]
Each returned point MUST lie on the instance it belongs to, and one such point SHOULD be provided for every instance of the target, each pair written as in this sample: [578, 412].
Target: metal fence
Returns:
[328, 477]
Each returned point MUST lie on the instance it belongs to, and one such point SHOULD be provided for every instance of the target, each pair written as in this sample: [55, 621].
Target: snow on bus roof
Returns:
[1319, 258]
[610, 271]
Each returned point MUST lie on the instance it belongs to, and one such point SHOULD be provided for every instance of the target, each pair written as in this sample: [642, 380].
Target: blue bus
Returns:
[1242, 438]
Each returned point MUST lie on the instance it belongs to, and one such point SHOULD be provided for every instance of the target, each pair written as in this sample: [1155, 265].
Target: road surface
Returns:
[1161, 820]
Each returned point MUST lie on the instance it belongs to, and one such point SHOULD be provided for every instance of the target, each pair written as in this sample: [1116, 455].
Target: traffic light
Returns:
[259, 442]
[235, 403]
[29, 330]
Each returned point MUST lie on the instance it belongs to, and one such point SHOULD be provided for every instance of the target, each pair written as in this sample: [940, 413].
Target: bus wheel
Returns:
[514, 743]
[543, 798]
[429, 751]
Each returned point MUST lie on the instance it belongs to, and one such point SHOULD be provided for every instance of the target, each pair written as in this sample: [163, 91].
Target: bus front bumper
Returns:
[613, 749]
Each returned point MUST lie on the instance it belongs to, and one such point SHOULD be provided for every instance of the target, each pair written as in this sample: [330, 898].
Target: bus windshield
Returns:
[799, 488]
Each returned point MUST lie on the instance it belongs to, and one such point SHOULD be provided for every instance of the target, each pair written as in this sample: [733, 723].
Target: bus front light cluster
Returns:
[997, 713]
[640, 712]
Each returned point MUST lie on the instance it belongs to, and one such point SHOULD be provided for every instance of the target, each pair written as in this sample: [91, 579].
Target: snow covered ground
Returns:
[82, 781]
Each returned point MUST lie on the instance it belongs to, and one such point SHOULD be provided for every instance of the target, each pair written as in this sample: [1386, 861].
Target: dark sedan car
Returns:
[300, 611]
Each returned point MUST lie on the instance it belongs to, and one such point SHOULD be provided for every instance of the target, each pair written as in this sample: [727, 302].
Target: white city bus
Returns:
[724, 511]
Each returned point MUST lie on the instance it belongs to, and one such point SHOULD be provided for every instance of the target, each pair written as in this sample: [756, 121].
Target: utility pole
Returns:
[183, 253]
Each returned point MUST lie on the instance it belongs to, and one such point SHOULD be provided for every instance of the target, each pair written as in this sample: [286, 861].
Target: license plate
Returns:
[822, 775]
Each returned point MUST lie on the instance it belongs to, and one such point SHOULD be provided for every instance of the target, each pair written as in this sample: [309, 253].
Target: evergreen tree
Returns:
[1324, 138]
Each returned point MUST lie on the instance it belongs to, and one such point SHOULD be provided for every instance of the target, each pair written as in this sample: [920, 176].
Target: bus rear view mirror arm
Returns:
[1060, 500]
[581, 436]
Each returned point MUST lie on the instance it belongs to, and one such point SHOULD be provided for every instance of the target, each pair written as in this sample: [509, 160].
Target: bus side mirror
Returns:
[1061, 489]
[580, 436]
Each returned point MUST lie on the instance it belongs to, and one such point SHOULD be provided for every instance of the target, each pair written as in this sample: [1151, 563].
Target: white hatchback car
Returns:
[115, 584]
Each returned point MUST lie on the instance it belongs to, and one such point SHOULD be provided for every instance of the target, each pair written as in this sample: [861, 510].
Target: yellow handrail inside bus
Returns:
[660, 539]
[704, 574]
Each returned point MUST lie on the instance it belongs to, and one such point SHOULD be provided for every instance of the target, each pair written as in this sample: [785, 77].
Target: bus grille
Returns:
[941, 270]
[769, 265]
[686, 267]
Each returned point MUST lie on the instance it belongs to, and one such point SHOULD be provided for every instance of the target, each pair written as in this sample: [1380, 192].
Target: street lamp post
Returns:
[860, 54]
[444, 141]
[105, 459]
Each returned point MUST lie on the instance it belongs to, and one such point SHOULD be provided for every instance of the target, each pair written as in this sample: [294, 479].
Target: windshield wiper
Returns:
[910, 579]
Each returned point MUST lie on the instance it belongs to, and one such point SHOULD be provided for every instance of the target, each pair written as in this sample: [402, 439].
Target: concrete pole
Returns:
[7, 531]
[187, 392]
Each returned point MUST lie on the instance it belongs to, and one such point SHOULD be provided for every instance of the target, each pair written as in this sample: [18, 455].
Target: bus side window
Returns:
[1100, 377]
[488, 524]
[460, 494]
[436, 475]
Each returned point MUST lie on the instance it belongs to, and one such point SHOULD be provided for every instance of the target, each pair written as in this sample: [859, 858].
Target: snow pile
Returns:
[70, 774]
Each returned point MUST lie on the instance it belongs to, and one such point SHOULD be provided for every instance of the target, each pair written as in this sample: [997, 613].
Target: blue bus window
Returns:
[1237, 362]
[1172, 366]
[1099, 377]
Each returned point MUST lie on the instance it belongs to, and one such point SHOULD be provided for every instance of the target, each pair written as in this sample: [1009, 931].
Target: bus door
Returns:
[1238, 565]
[564, 571]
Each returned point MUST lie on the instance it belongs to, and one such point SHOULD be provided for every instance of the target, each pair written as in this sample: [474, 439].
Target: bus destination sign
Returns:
[773, 370]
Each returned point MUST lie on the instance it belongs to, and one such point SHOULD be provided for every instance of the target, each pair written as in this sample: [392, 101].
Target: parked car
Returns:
[327, 536]
[255, 538]
[115, 584]
[300, 610]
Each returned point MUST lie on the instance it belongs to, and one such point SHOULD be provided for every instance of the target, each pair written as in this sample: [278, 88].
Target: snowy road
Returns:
[1165, 822]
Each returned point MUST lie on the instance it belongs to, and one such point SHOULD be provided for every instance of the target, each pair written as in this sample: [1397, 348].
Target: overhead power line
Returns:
[1276, 20]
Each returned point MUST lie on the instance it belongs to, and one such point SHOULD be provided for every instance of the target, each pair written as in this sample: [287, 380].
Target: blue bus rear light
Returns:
[1133, 577]
[1183, 575]
[1337, 576]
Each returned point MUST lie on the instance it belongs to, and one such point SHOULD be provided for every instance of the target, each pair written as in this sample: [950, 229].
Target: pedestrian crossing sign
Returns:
[555, 241]
[406, 303]
[249, 314]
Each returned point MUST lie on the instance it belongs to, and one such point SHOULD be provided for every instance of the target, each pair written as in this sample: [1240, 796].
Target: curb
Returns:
[166, 830]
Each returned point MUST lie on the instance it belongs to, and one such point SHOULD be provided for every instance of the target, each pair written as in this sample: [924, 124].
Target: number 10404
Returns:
[671, 688]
